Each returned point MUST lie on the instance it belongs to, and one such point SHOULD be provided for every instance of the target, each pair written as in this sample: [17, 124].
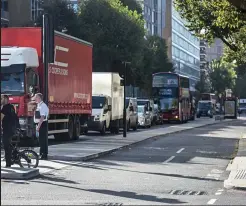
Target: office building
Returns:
[15, 13]
[163, 20]
[215, 50]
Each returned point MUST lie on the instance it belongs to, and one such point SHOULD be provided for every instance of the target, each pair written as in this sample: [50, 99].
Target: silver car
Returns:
[144, 119]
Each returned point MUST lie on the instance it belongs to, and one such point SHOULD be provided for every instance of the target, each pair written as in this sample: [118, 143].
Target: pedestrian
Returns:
[10, 123]
[40, 119]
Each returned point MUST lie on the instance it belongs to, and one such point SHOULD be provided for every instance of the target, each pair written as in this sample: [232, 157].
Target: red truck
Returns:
[69, 79]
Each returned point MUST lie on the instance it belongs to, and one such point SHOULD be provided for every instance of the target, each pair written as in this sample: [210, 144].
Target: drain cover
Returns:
[186, 192]
[110, 204]
[241, 175]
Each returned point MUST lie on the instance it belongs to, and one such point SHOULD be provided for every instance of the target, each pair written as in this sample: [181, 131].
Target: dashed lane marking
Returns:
[169, 159]
[211, 202]
[219, 192]
[179, 151]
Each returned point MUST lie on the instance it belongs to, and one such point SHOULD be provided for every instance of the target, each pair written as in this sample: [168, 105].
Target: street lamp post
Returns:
[124, 110]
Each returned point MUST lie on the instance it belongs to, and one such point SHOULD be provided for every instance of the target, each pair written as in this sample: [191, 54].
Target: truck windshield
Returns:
[141, 109]
[12, 79]
[168, 104]
[98, 102]
[142, 102]
[204, 105]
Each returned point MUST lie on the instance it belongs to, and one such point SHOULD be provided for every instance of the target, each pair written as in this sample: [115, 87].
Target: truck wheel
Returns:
[77, 128]
[117, 129]
[69, 135]
[103, 130]
[135, 126]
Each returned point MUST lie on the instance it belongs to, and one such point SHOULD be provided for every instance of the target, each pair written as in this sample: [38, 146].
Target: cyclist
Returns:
[10, 123]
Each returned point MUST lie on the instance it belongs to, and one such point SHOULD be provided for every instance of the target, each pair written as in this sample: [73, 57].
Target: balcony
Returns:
[203, 43]
[4, 15]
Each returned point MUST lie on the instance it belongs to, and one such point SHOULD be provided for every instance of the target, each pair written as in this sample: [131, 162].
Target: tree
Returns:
[63, 14]
[239, 4]
[155, 60]
[240, 87]
[240, 56]
[132, 5]
[115, 31]
[214, 19]
[222, 76]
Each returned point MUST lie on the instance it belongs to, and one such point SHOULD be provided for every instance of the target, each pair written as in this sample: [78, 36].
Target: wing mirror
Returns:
[109, 108]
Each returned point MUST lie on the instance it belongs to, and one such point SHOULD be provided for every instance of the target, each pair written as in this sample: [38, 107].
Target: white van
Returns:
[107, 102]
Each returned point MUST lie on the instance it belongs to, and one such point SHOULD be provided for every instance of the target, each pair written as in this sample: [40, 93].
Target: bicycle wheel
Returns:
[28, 159]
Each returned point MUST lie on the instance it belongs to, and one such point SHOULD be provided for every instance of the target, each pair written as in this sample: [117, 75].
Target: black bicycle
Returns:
[25, 158]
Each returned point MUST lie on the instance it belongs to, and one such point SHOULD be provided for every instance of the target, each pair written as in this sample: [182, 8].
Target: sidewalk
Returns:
[96, 147]
[237, 168]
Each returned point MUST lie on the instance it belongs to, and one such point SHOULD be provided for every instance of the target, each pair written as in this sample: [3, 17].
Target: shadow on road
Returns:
[124, 194]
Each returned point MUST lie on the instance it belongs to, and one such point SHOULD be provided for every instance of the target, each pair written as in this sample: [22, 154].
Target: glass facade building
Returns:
[185, 49]
[163, 20]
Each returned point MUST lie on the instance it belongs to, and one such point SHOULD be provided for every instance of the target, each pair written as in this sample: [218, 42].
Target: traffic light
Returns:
[118, 67]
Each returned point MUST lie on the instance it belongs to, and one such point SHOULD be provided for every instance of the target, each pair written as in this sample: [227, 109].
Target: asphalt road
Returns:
[183, 168]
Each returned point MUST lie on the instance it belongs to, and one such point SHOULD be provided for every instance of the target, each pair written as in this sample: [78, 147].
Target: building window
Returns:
[4, 5]
[155, 30]
[155, 17]
[156, 4]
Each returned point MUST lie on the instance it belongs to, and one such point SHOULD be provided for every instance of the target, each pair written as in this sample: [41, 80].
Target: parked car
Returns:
[158, 118]
[131, 113]
[144, 119]
[149, 103]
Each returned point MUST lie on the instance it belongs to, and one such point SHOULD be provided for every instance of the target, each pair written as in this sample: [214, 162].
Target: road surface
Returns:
[183, 168]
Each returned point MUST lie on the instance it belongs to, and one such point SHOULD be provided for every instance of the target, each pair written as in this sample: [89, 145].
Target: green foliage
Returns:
[63, 14]
[155, 59]
[132, 5]
[217, 19]
[240, 88]
[240, 55]
[222, 76]
[115, 31]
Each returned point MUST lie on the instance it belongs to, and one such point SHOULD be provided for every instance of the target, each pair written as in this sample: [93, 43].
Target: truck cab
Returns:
[20, 80]
[101, 113]
[205, 108]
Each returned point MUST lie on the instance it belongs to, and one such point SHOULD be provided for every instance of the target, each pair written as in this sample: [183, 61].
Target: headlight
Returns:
[209, 112]
[97, 117]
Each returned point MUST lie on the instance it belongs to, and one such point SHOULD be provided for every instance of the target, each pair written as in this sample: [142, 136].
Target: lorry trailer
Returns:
[69, 79]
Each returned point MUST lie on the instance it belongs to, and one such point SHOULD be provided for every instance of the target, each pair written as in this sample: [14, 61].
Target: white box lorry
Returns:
[107, 102]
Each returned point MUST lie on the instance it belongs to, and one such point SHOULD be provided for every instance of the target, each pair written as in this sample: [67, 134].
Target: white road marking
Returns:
[169, 159]
[180, 150]
[217, 171]
[220, 190]
[218, 193]
[211, 202]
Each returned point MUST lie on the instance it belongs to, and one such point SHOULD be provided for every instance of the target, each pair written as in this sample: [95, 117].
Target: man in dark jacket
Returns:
[9, 125]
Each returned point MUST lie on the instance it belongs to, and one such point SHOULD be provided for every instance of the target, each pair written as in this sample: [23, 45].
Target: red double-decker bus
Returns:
[172, 92]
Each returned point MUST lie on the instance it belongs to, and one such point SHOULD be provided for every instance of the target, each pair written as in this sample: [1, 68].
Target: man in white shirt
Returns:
[40, 119]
